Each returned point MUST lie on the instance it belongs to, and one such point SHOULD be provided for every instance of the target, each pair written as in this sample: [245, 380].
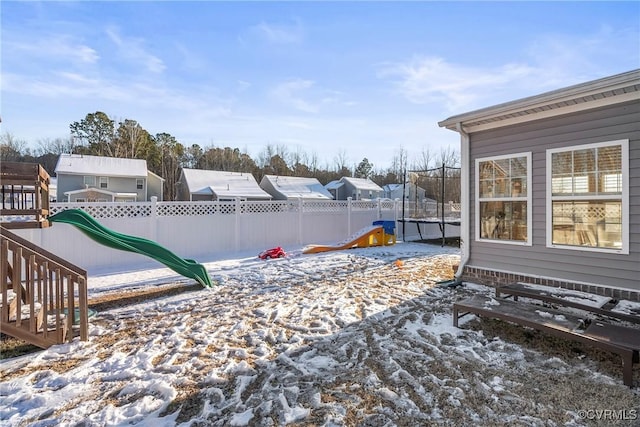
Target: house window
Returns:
[587, 197]
[89, 181]
[104, 182]
[502, 186]
[140, 184]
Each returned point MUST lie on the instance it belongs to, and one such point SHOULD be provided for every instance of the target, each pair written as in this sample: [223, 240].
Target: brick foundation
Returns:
[498, 278]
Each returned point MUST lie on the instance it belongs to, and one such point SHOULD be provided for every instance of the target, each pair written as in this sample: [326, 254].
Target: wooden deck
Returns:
[619, 340]
[25, 195]
[602, 306]
[43, 298]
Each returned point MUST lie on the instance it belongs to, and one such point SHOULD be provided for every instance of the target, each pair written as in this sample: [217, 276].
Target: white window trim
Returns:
[106, 180]
[528, 199]
[92, 178]
[624, 143]
[140, 180]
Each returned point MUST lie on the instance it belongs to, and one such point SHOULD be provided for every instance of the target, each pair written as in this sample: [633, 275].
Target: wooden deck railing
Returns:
[42, 296]
[25, 195]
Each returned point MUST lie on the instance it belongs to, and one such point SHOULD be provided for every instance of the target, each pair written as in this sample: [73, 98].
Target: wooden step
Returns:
[39, 338]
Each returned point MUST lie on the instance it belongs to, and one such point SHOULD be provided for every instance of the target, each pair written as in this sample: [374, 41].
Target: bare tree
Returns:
[264, 157]
[171, 156]
[313, 163]
[450, 157]
[54, 146]
[425, 160]
[399, 164]
[341, 161]
[11, 148]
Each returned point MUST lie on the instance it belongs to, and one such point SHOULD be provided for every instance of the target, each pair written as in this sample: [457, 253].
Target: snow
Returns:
[583, 298]
[313, 339]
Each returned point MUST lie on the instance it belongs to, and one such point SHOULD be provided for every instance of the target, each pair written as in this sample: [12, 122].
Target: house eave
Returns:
[608, 91]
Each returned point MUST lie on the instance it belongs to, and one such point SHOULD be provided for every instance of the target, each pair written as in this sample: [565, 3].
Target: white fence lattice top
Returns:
[142, 209]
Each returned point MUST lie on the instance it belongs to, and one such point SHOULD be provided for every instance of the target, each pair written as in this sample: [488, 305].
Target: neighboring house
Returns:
[53, 189]
[411, 191]
[82, 178]
[293, 187]
[355, 188]
[200, 185]
[335, 189]
[551, 188]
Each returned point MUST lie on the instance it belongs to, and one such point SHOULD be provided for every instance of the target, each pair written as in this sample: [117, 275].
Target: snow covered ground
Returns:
[347, 338]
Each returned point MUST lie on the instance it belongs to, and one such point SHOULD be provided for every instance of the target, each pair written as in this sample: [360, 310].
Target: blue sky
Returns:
[326, 79]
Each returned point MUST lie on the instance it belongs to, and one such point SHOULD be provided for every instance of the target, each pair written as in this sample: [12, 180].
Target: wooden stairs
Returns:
[43, 298]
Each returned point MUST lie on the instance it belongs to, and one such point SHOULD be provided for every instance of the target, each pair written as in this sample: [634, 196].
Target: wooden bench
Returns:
[619, 340]
[567, 298]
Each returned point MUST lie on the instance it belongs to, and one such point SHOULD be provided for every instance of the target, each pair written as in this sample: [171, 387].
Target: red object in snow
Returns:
[272, 253]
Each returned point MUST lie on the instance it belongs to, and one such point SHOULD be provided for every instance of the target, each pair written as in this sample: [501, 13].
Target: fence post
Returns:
[237, 225]
[300, 219]
[349, 200]
[154, 218]
[395, 218]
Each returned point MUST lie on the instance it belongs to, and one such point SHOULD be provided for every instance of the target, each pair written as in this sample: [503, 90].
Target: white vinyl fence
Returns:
[208, 230]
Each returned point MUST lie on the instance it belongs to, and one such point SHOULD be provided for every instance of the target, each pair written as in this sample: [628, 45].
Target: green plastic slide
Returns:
[96, 231]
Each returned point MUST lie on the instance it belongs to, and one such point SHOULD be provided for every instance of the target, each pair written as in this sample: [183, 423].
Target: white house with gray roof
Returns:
[200, 185]
[82, 178]
[293, 187]
[355, 188]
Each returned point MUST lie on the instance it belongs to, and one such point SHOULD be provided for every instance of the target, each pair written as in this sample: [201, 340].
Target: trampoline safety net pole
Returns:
[442, 206]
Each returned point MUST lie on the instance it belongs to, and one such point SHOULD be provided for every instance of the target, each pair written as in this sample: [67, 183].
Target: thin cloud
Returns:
[141, 94]
[189, 59]
[280, 33]
[133, 50]
[568, 59]
[288, 93]
[434, 80]
[243, 85]
[63, 85]
[60, 47]
[306, 96]
[552, 61]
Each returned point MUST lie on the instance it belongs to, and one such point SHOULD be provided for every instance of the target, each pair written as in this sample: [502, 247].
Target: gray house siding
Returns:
[68, 183]
[115, 185]
[182, 193]
[339, 193]
[350, 190]
[593, 126]
[154, 187]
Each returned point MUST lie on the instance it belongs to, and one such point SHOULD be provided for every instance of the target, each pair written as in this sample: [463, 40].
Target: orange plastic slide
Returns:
[368, 236]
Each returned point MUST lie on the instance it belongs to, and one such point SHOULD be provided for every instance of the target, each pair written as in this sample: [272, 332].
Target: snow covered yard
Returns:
[346, 338]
